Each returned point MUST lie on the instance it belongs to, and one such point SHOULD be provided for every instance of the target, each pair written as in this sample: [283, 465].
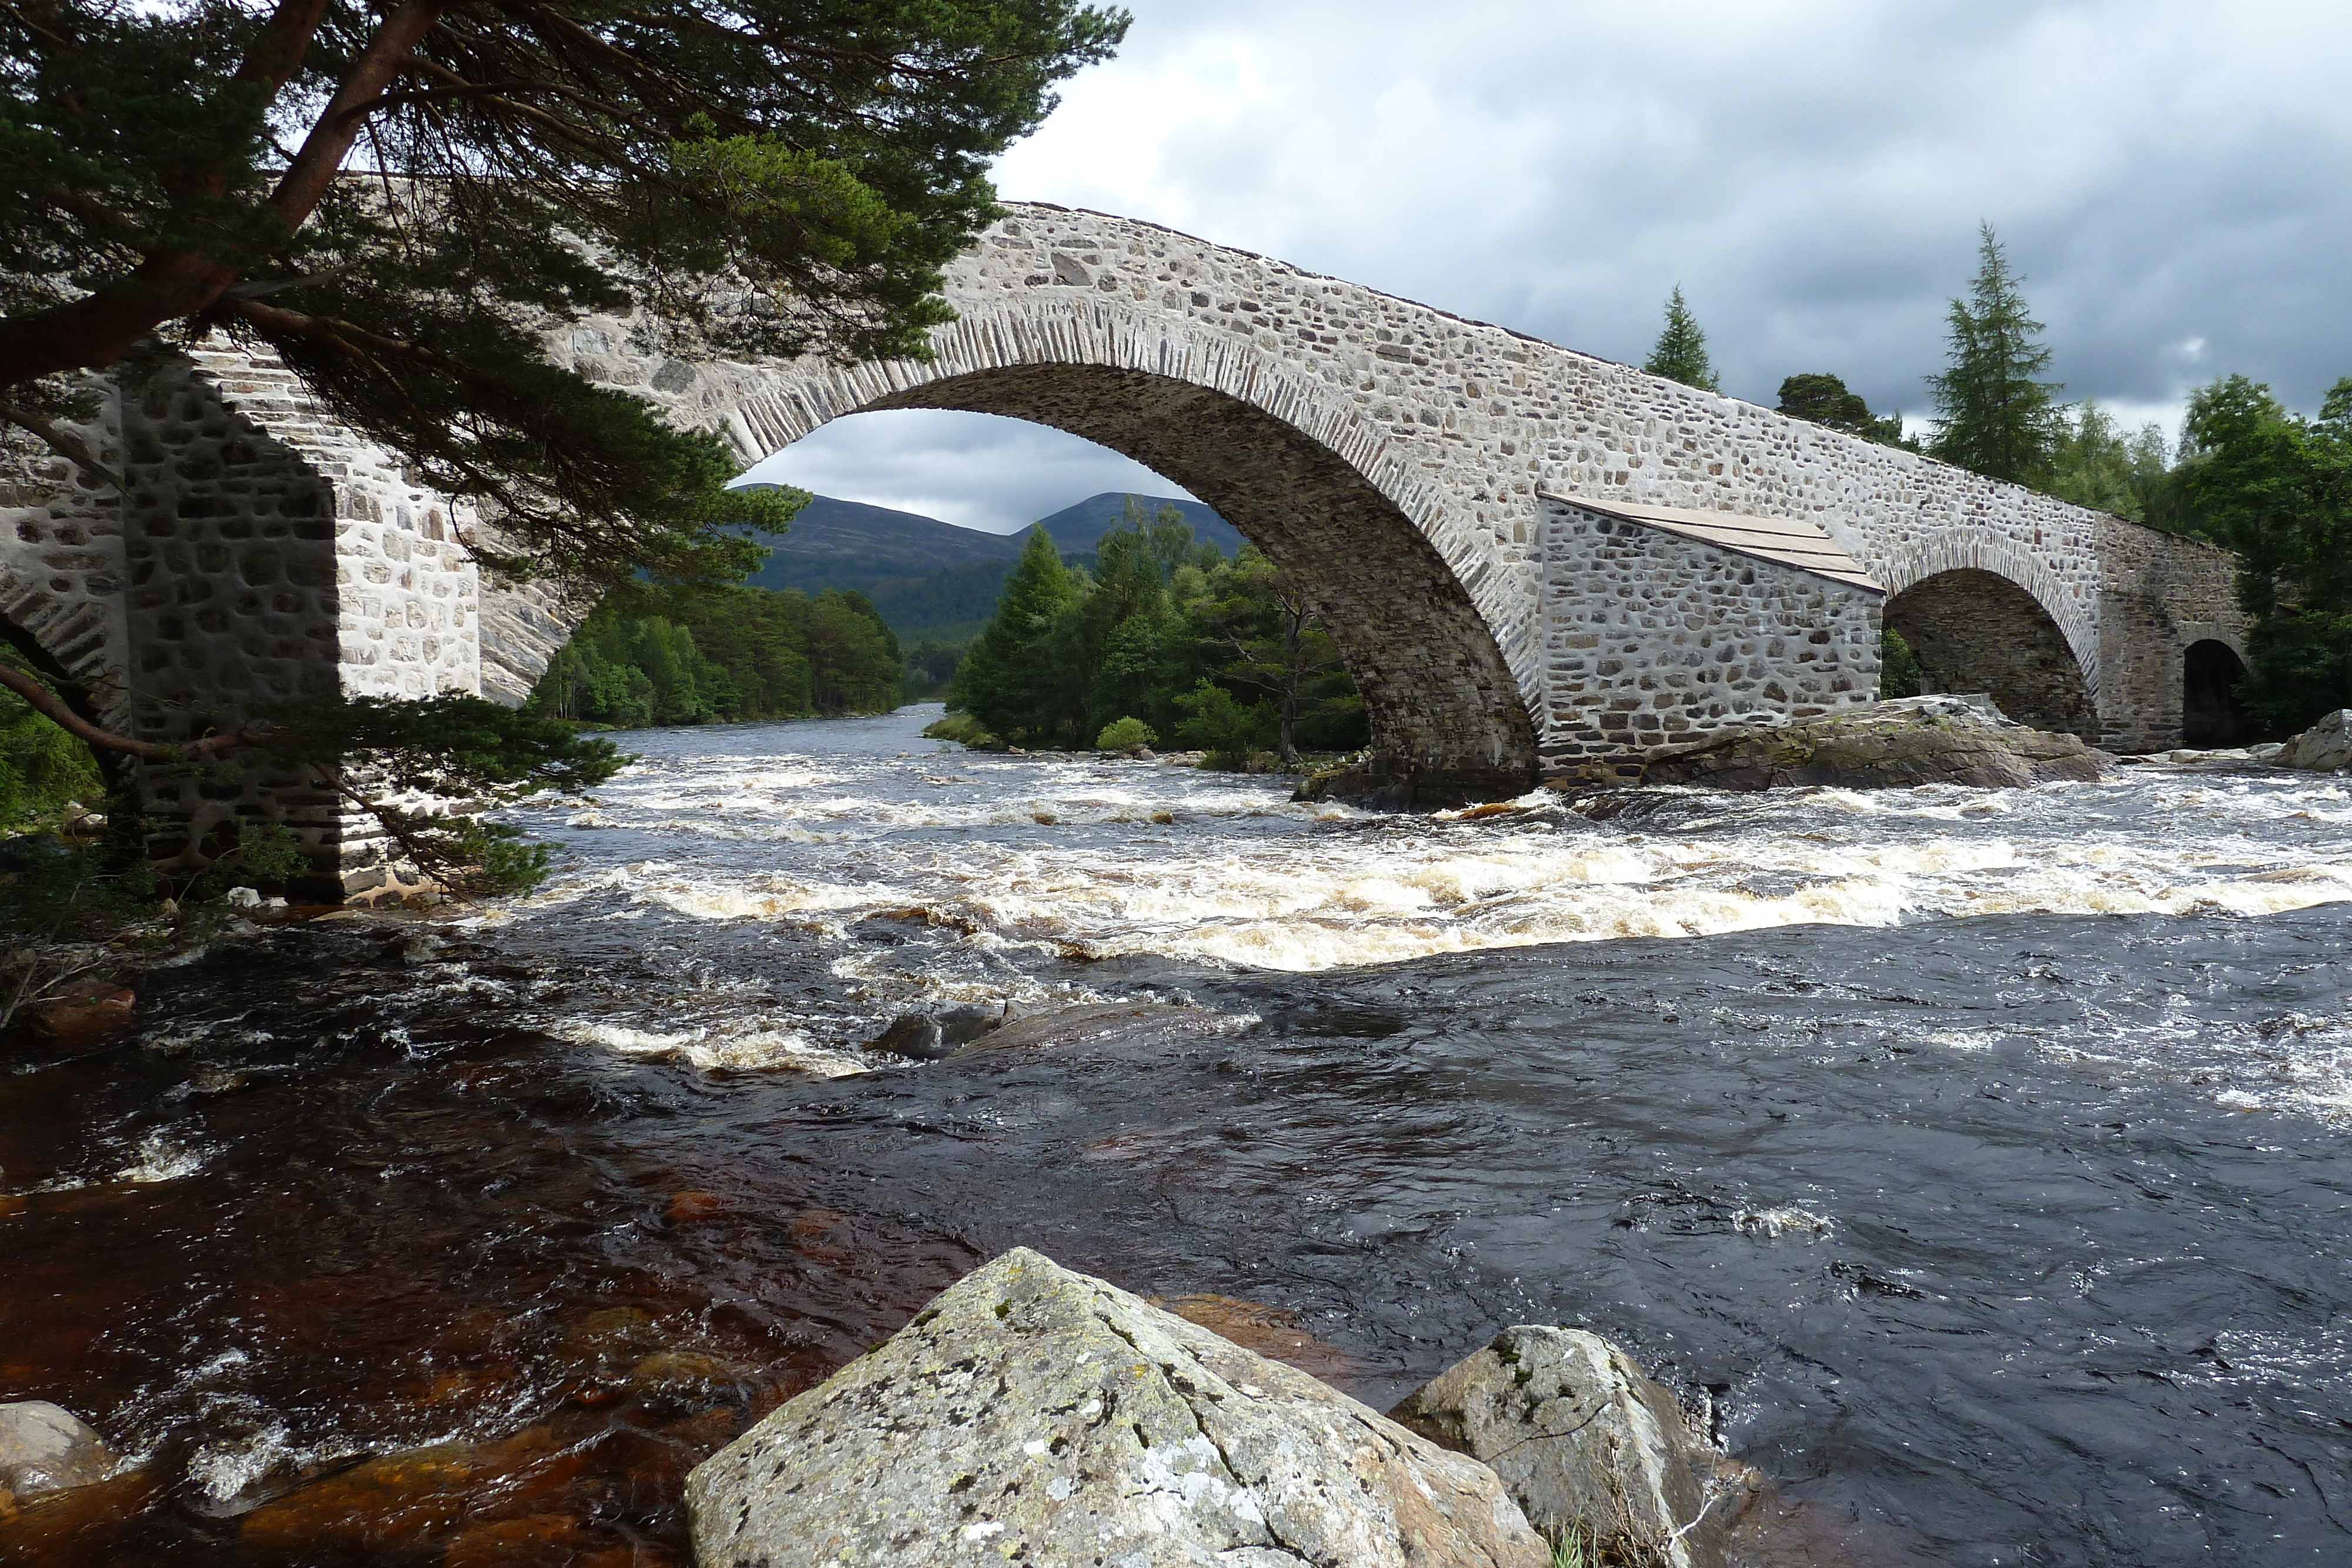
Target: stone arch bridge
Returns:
[1533, 558]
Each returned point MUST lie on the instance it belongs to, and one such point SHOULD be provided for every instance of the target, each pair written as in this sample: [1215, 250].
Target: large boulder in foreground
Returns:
[1031, 1414]
[1589, 1447]
[2326, 745]
[1889, 744]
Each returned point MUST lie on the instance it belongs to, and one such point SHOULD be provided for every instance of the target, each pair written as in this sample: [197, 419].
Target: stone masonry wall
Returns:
[2159, 593]
[1454, 425]
[263, 553]
[1652, 639]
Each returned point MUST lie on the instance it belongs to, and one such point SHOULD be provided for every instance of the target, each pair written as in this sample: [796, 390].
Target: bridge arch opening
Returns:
[1446, 711]
[1975, 631]
[2210, 714]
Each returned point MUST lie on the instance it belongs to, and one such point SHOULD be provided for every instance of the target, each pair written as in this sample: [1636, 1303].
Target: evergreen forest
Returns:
[723, 655]
[1159, 640]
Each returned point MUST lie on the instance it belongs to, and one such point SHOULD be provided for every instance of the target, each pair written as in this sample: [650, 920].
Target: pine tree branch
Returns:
[51, 707]
[60, 440]
[322, 153]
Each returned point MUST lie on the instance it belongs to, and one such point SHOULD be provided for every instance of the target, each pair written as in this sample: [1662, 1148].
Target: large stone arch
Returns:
[1976, 630]
[1304, 482]
[2070, 613]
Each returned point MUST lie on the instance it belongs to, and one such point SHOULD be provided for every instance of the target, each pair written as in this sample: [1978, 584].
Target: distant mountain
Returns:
[935, 579]
[833, 543]
[1082, 527]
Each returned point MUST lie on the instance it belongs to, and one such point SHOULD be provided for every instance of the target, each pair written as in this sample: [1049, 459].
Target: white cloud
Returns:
[2166, 172]
[975, 470]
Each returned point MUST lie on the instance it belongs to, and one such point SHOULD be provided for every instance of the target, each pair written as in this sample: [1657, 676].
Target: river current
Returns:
[1975, 1160]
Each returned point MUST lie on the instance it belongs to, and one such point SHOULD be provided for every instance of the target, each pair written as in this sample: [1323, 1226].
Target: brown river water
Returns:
[1977, 1161]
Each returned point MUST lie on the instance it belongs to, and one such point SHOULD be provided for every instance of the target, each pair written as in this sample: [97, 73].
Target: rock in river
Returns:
[2326, 745]
[1912, 740]
[1587, 1447]
[45, 1448]
[1035, 1414]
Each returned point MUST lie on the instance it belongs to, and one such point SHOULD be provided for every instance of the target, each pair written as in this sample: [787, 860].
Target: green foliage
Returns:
[455, 745]
[723, 655]
[1015, 679]
[1216, 724]
[930, 665]
[1823, 399]
[2276, 487]
[1994, 416]
[2095, 463]
[1125, 735]
[1280, 648]
[964, 730]
[1074, 649]
[41, 767]
[763, 178]
[1898, 668]
[1680, 352]
[502, 859]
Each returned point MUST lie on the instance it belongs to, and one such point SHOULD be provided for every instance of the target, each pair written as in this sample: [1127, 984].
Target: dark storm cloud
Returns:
[1812, 173]
[2171, 178]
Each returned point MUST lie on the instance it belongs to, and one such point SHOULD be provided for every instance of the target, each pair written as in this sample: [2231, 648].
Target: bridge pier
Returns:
[258, 555]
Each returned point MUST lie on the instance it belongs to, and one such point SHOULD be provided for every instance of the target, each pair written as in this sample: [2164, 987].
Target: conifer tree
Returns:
[1994, 416]
[1010, 681]
[1680, 353]
[1825, 398]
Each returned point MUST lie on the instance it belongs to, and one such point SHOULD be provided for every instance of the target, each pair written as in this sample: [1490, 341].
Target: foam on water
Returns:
[707, 1046]
[1244, 877]
[1094, 859]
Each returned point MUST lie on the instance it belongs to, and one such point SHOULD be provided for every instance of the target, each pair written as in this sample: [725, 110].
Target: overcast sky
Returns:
[2174, 180]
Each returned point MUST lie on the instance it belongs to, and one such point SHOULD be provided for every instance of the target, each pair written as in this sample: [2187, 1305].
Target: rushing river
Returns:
[1976, 1159]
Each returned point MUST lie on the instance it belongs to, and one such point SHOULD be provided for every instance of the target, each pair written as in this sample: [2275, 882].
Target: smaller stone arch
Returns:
[1976, 631]
[2209, 712]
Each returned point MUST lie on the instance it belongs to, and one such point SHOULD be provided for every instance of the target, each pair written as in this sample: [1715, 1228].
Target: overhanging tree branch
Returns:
[60, 440]
[51, 707]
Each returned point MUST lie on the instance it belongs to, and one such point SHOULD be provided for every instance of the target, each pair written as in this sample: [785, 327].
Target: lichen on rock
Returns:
[1032, 1414]
[1588, 1445]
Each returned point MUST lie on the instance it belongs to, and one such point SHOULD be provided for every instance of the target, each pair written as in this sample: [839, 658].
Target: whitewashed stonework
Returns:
[1393, 457]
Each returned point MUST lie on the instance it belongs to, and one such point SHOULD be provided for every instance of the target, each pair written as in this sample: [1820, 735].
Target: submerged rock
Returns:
[2325, 747]
[45, 1448]
[84, 1011]
[1589, 1447]
[1036, 1414]
[916, 1036]
[1890, 745]
[927, 1037]
[1147, 1023]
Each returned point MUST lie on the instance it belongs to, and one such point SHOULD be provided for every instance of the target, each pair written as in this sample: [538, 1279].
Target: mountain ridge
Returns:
[927, 577]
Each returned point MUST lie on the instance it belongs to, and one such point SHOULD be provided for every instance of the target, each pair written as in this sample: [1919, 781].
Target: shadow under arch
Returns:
[1446, 713]
[1975, 631]
[2210, 714]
